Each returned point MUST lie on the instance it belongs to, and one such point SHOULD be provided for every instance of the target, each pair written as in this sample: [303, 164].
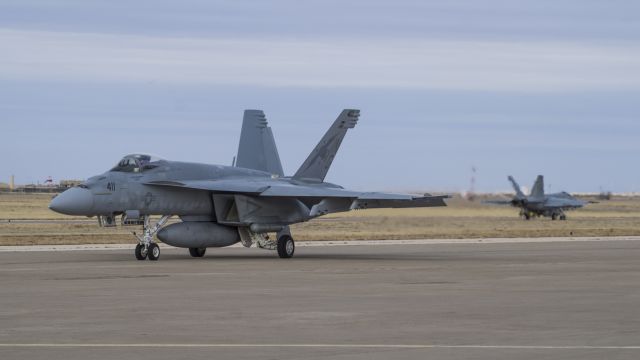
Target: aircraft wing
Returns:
[289, 190]
[263, 187]
[360, 200]
[222, 186]
[564, 203]
[381, 200]
[273, 188]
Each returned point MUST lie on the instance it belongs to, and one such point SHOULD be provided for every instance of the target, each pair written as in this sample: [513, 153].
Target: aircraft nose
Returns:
[75, 201]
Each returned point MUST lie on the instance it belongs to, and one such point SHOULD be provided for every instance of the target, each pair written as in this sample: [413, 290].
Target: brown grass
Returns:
[461, 219]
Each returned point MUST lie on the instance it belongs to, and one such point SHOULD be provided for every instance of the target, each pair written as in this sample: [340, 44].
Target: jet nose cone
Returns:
[75, 201]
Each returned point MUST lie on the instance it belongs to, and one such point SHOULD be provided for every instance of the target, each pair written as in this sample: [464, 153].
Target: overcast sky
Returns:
[510, 87]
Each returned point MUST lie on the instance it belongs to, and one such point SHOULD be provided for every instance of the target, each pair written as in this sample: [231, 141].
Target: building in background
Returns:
[49, 186]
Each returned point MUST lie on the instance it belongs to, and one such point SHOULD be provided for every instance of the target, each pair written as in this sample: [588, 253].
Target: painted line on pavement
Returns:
[96, 247]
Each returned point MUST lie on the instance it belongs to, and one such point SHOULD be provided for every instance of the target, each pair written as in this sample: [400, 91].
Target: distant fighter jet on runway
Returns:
[539, 204]
[222, 205]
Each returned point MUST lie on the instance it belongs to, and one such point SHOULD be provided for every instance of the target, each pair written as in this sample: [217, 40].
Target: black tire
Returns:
[563, 217]
[527, 216]
[141, 254]
[554, 216]
[197, 252]
[154, 252]
[286, 247]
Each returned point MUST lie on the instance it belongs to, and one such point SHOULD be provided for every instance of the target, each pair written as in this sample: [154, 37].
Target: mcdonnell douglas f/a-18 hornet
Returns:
[539, 204]
[221, 205]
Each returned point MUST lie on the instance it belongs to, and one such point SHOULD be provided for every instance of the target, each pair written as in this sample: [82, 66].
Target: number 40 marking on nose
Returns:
[111, 186]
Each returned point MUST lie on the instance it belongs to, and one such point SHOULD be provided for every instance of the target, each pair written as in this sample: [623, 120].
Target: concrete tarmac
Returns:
[551, 300]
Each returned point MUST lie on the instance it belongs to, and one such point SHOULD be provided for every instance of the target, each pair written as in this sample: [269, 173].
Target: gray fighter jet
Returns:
[539, 204]
[221, 205]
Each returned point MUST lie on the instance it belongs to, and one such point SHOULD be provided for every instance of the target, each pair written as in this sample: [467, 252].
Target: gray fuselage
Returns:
[115, 192]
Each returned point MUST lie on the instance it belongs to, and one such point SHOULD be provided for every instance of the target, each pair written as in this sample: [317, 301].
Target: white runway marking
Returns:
[96, 247]
[344, 346]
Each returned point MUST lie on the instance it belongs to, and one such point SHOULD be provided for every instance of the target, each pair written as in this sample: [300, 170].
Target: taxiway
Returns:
[504, 300]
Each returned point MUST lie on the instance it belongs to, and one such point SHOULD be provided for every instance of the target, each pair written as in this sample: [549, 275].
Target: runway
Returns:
[502, 300]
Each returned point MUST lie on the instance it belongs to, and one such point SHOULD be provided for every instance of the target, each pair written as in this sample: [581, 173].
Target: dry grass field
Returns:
[461, 219]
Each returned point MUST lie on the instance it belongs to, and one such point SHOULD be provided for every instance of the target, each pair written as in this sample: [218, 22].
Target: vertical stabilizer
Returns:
[538, 188]
[516, 187]
[257, 149]
[271, 153]
[316, 166]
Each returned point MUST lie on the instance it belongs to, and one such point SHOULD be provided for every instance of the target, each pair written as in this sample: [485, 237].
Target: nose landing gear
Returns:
[141, 252]
[147, 248]
[154, 252]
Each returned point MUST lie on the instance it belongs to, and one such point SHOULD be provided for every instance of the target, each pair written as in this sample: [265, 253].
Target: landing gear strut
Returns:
[284, 243]
[146, 247]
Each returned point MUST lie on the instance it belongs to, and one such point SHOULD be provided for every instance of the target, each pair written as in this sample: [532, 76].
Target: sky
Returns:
[508, 87]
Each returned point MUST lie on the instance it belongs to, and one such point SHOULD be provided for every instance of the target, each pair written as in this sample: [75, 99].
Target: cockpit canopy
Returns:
[564, 194]
[136, 163]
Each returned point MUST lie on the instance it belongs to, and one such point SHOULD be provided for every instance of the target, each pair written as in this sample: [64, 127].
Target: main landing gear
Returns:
[283, 243]
[525, 214]
[147, 248]
[286, 246]
[558, 216]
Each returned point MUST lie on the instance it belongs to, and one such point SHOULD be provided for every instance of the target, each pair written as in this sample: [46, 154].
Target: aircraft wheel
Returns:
[286, 246]
[141, 252]
[527, 216]
[154, 252]
[197, 252]
[563, 217]
[554, 216]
